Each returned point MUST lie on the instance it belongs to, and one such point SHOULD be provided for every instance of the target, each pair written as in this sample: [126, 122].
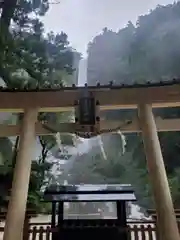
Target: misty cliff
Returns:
[147, 51]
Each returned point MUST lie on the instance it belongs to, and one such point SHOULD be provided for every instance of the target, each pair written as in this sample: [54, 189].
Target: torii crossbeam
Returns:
[110, 97]
[130, 126]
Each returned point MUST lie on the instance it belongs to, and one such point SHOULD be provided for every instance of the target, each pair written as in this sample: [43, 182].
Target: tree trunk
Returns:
[7, 14]
[8, 8]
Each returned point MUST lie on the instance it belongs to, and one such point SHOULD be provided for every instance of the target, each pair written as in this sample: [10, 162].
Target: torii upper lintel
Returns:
[109, 97]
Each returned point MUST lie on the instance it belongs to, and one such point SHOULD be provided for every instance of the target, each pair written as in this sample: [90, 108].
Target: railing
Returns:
[142, 232]
[137, 231]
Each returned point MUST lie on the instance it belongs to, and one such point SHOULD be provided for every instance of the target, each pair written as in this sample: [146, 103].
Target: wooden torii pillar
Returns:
[17, 204]
[166, 219]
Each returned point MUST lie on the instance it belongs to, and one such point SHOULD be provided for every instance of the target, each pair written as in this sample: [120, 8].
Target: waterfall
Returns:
[82, 76]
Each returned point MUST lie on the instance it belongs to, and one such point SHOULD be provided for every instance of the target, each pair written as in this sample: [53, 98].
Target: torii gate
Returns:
[142, 97]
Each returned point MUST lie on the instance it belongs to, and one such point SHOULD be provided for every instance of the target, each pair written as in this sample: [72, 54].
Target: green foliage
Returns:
[148, 51]
[30, 59]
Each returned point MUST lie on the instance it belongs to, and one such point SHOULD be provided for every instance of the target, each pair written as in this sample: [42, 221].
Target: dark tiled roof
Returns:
[88, 188]
[90, 192]
[98, 86]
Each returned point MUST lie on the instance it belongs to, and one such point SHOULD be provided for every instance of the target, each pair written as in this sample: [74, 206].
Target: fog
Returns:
[82, 20]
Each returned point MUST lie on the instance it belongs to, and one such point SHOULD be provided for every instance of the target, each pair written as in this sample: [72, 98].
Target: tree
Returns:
[31, 60]
[146, 52]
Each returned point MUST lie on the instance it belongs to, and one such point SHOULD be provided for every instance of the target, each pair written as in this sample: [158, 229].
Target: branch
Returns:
[29, 70]
[44, 151]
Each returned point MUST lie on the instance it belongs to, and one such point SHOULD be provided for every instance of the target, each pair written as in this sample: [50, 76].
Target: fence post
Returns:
[150, 232]
[26, 228]
[41, 231]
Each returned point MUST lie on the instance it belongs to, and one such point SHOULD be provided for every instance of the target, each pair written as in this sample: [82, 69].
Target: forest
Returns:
[148, 51]
[32, 59]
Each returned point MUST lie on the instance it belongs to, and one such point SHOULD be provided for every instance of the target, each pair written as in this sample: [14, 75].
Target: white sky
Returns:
[82, 20]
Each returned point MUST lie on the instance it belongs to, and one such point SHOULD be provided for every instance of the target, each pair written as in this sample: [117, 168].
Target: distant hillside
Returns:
[149, 51]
